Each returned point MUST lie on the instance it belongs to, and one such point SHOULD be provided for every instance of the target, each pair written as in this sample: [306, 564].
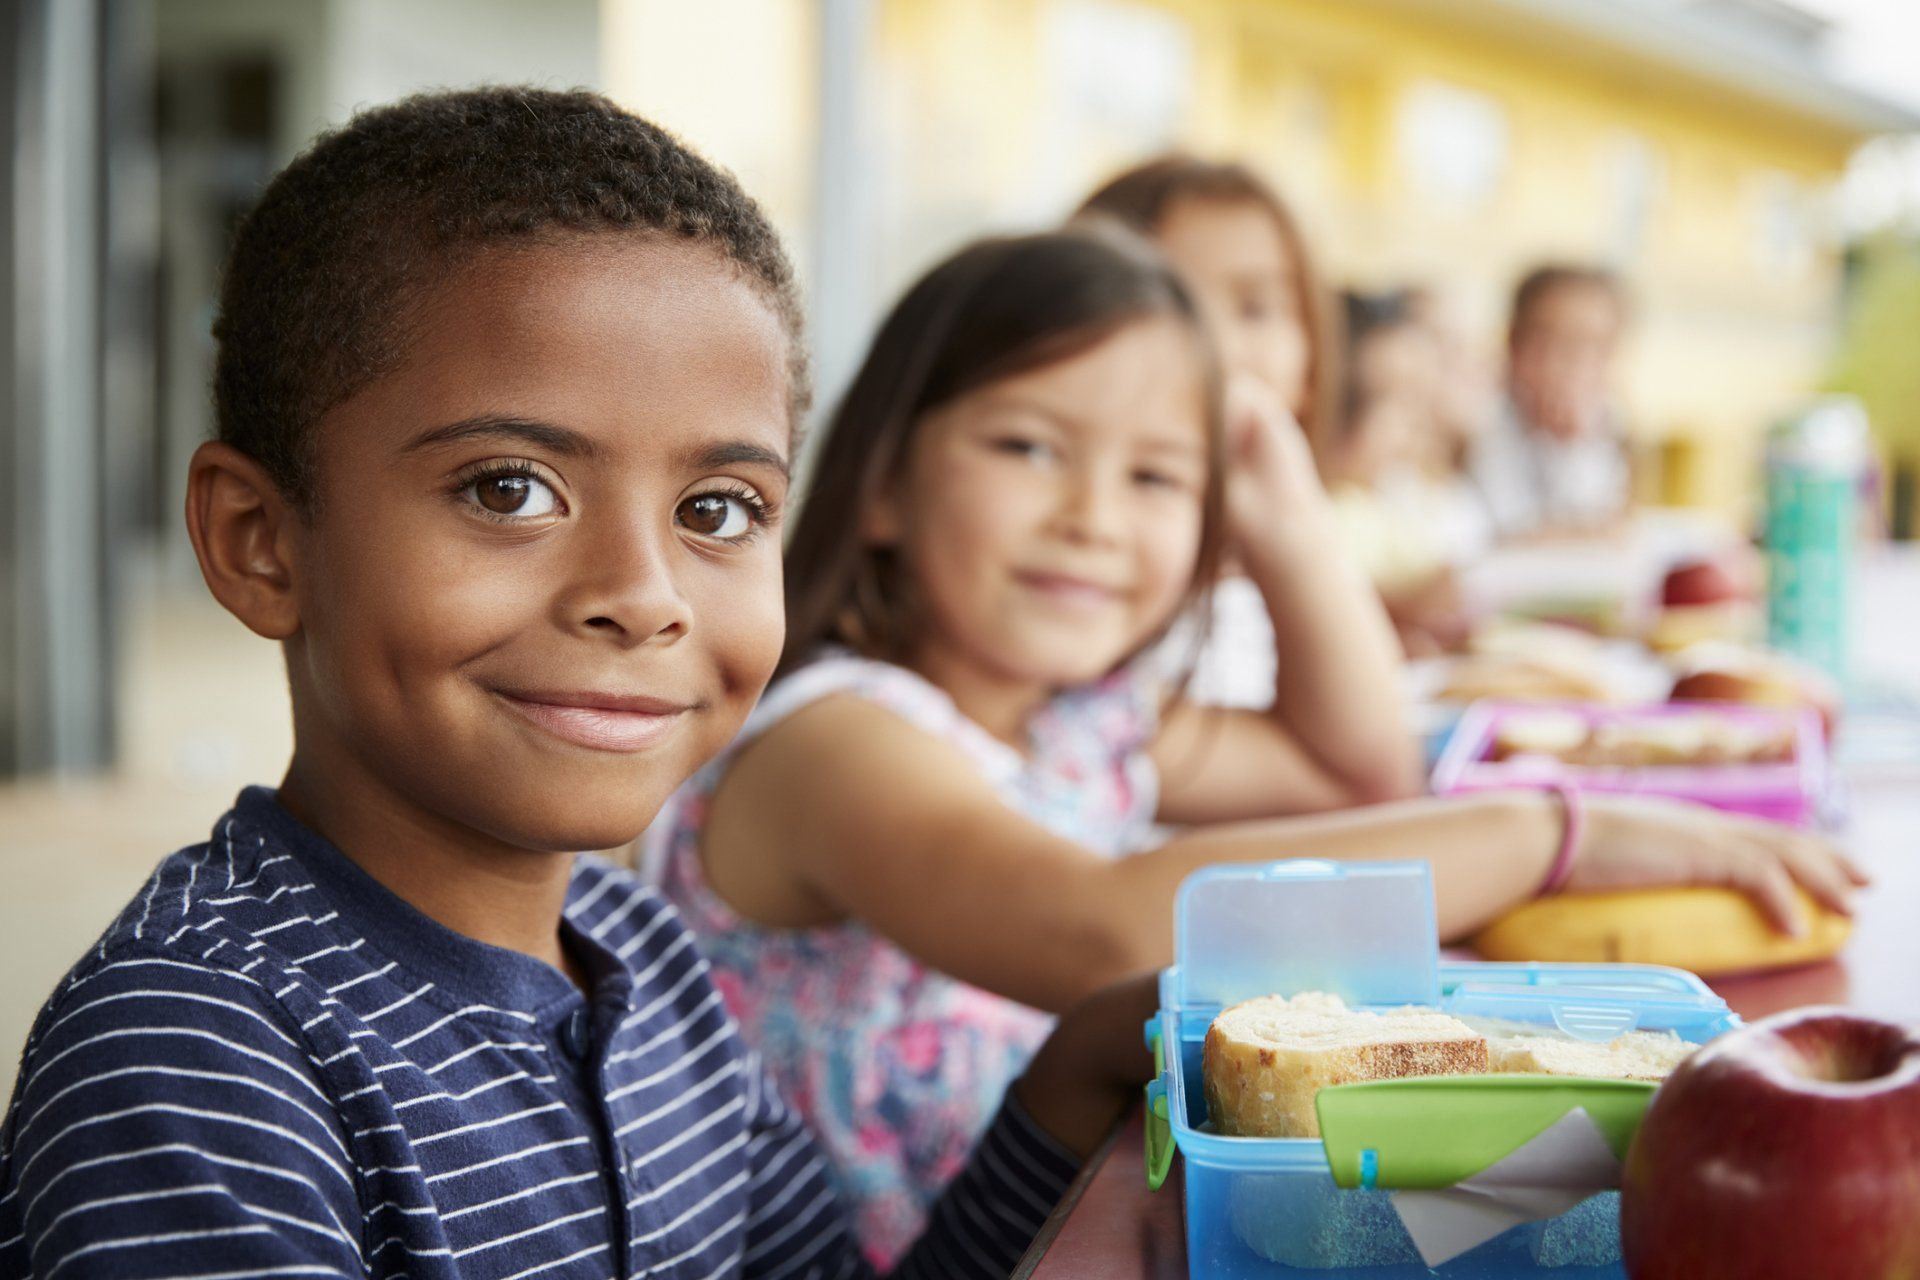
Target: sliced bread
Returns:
[1265, 1059]
[1637, 1055]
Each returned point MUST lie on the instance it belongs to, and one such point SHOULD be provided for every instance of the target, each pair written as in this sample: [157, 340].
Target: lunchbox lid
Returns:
[1364, 931]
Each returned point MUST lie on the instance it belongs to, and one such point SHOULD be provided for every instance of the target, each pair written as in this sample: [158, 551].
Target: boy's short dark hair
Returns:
[314, 302]
[1543, 280]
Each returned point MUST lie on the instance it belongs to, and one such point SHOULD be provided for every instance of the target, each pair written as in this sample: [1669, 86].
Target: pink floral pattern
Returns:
[897, 1067]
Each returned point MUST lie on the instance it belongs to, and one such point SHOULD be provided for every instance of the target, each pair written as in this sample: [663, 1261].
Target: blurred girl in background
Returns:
[1407, 517]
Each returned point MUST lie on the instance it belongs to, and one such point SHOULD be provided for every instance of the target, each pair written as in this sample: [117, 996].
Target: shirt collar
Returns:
[471, 971]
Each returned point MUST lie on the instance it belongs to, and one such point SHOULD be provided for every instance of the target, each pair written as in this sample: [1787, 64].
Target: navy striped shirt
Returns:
[272, 1066]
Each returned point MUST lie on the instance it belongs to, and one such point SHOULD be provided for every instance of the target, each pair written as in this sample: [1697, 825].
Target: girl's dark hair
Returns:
[315, 300]
[995, 309]
[1143, 196]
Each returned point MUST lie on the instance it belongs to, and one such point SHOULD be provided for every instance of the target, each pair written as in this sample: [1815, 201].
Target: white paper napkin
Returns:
[1542, 1178]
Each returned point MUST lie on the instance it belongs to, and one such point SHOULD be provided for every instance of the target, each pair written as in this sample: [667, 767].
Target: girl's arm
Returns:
[1336, 734]
[808, 828]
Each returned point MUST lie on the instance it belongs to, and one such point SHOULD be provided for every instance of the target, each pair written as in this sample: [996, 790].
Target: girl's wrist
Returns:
[1571, 840]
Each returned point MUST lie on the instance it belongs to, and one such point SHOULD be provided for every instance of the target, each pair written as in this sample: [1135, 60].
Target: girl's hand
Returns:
[1634, 843]
[1093, 1065]
[1430, 615]
[1273, 483]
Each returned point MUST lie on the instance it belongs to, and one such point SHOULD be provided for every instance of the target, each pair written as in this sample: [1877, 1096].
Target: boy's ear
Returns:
[242, 529]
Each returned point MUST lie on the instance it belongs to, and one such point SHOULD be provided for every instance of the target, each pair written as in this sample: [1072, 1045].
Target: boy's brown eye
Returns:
[504, 494]
[717, 515]
[512, 494]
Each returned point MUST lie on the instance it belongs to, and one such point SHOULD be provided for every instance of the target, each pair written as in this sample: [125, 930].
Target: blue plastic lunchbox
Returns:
[1269, 1208]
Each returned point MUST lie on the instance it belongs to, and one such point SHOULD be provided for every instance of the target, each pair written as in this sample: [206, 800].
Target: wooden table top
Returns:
[1110, 1227]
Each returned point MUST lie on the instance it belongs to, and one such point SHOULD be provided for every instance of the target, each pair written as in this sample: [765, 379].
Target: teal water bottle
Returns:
[1814, 465]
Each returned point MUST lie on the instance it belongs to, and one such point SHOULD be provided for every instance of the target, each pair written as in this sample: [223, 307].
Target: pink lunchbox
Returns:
[1789, 791]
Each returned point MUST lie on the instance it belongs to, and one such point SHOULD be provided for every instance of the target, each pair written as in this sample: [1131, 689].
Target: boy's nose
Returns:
[625, 587]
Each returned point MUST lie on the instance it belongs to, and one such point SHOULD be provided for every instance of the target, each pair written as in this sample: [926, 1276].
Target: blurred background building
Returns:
[1720, 154]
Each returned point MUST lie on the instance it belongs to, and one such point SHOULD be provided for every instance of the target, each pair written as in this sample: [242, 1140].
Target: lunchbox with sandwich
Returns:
[1346, 1104]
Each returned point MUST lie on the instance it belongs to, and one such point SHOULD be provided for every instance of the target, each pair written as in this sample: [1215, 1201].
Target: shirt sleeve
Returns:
[168, 1123]
[981, 1225]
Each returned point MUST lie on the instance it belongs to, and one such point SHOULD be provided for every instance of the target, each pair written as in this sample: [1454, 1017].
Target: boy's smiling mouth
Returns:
[599, 721]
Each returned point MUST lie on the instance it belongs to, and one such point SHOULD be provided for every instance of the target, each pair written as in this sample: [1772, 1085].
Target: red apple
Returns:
[1754, 687]
[1700, 582]
[1786, 1150]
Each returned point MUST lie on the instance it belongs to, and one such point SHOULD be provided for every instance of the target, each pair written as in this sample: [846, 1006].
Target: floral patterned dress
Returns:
[897, 1067]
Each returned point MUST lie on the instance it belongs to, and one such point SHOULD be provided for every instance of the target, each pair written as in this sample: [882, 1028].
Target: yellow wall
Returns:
[736, 78]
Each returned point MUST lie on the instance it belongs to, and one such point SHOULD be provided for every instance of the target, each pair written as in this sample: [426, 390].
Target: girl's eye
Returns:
[514, 494]
[1021, 447]
[1156, 479]
[1268, 304]
[726, 516]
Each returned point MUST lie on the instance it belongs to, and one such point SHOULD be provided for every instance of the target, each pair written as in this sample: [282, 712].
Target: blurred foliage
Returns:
[1879, 357]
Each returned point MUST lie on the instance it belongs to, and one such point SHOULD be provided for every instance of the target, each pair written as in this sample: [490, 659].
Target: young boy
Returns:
[506, 389]
[1552, 462]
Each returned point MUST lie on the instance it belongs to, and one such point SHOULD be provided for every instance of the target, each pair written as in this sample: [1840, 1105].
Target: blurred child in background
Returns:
[1406, 519]
[1240, 250]
[1467, 386]
[1553, 463]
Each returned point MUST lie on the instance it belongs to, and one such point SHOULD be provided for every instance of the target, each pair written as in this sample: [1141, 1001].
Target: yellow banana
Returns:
[1709, 931]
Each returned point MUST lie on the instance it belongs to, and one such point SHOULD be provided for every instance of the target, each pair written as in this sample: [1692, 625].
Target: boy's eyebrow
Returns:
[565, 440]
[736, 453]
[488, 426]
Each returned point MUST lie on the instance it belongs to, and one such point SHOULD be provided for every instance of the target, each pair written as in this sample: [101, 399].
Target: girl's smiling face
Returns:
[542, 582]
[1050, 521]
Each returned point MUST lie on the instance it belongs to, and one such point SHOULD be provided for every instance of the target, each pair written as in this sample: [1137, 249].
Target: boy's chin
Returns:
[577, 821]
[579, 838]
